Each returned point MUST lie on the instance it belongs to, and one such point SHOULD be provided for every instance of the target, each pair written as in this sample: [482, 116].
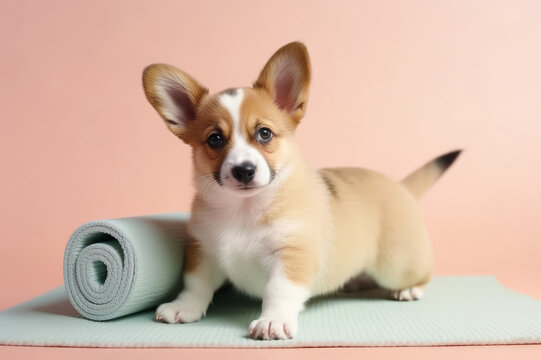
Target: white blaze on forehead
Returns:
[232, 101]
[241, 150]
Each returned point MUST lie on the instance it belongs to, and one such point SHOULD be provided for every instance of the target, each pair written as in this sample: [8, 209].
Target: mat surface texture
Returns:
[455, 311]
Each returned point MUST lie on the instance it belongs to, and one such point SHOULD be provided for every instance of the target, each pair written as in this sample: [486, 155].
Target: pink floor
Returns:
[418, 353]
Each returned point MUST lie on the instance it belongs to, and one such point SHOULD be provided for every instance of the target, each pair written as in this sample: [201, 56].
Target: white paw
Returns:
[178, 311]
[412, 293]
[273, 329]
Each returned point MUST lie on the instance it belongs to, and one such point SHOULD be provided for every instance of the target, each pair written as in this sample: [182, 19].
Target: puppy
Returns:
[265, 220]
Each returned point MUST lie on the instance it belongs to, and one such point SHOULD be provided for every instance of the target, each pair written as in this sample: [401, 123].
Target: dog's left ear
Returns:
[286, 77]
[175, 95]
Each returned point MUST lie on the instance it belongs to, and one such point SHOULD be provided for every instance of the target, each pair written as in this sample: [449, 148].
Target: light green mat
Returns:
[121, 266]
[454, 311]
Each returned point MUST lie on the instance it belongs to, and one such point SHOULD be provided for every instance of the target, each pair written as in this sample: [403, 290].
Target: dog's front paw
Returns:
[178, 311]
[267, 328]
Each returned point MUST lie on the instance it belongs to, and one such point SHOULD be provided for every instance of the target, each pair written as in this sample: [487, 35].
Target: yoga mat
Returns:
[455, 311]
[117, 267]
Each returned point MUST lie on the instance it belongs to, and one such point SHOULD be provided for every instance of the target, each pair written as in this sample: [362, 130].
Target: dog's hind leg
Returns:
[404, 264]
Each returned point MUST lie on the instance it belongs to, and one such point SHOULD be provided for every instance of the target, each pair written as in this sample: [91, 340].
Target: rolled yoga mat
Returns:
[121, 266]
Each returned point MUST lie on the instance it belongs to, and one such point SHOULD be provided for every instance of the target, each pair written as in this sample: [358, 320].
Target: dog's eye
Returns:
[264, 135]
[215, 141]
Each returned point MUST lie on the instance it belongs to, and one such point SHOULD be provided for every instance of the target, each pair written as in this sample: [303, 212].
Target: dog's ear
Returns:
[286, 77]
[174, 94]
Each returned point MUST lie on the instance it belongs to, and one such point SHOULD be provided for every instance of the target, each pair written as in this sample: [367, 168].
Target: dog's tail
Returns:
[422, 179]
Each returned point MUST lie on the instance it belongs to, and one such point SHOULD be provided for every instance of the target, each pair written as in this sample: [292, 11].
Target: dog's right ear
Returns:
[174, 94]
[286, 77]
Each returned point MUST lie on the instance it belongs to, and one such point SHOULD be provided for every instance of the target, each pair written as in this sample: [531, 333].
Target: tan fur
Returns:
[303, 198]
[192, 254]
[420, 180]
[349, 220]
[373, 224]
[378, 229]
[258, 111]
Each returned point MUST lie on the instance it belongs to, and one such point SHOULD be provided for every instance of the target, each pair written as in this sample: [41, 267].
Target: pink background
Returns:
[395, 83]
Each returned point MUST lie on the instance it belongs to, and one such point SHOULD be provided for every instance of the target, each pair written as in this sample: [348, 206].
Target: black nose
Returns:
[244, 172]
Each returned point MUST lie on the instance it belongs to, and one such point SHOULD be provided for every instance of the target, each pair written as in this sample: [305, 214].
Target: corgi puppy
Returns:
[263, 219]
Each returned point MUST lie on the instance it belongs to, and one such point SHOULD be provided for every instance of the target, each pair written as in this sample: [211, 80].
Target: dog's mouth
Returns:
[242, 190]
[249, 187]
[240, 186]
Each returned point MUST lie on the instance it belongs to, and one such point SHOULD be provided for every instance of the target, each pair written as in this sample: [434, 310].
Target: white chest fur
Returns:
[244, 249]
